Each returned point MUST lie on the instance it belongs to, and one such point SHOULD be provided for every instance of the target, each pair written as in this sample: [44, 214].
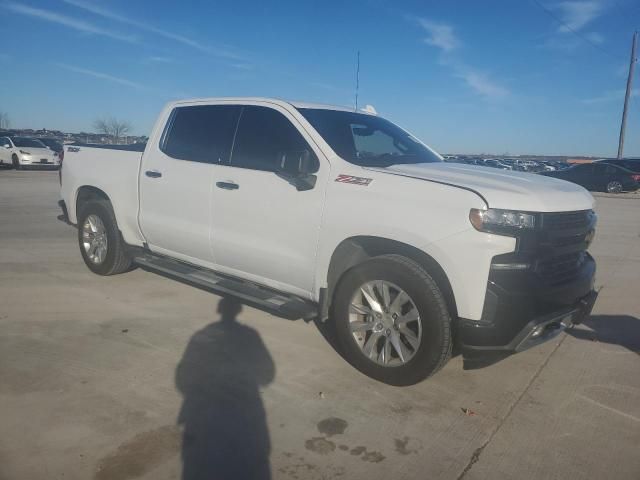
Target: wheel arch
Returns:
[87, 193]
[355, 250]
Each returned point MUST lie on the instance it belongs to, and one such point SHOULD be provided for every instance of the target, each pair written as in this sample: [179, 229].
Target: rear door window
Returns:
[201, 133]
[265, 137]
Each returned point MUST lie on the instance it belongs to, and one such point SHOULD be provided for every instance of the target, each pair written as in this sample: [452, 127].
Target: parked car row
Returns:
[607, 175]
[512, 164]
[26, 152]
[612, 176]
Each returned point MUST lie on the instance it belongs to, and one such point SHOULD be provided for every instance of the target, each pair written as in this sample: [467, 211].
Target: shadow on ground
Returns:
[623, 330]
[225, 433]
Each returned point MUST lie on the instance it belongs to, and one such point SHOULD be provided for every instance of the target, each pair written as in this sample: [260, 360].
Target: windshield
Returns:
[27, 142]
[367, 140]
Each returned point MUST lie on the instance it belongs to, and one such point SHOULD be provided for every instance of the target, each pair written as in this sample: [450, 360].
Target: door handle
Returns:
[227, 185]
[153, 174]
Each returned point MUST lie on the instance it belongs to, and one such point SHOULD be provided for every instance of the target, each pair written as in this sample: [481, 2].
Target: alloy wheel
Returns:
[385, 323]
[614, 187]
[94, 239]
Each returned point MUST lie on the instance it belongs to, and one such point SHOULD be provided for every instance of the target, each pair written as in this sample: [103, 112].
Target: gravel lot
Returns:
[106, 378]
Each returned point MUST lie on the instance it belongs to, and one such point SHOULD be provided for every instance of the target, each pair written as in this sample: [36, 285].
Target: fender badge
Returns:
[73, 149]
[355, 180]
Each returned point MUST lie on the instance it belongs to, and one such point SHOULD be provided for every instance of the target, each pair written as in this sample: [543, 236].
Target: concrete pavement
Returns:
[108, 378]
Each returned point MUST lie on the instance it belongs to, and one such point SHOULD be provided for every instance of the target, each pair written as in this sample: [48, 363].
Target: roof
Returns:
[278, 101]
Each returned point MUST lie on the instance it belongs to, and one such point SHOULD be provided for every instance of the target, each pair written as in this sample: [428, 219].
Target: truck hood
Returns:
[502, 188]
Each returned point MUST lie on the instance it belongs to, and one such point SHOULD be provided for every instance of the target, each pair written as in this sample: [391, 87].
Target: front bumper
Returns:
[35, 161]
[522, 311]
[544, 328]
[40, 166]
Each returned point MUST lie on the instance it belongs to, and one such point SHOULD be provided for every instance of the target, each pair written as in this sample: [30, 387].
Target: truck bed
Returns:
[112, 170]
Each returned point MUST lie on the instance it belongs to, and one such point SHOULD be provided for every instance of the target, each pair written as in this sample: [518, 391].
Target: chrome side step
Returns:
[287, 306]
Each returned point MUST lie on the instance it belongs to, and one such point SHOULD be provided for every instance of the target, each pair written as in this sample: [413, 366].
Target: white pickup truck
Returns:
[320, 212]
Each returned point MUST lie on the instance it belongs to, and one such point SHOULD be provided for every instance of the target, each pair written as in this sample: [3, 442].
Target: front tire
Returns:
[391, 320]
[100, 241]
[16, 162]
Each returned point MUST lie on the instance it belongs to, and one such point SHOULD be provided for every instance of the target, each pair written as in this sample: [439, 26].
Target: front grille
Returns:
[568, 240]
[566, 220]
[563, 244]
[562, 268]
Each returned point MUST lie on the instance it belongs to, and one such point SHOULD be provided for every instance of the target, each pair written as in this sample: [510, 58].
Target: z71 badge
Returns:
[355, 180]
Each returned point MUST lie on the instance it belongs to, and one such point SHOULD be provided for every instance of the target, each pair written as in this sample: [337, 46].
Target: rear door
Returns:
[603, 174]
[264, 229]
[177, 179]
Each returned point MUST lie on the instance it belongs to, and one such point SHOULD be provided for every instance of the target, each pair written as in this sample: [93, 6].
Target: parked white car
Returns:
[22, 152]
[322, 212]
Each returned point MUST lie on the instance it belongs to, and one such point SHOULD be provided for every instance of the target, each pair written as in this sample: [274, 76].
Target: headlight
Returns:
[24, 152]
[501, 221]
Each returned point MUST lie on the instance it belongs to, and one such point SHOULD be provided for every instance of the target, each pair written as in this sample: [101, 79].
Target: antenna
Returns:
[357, 79]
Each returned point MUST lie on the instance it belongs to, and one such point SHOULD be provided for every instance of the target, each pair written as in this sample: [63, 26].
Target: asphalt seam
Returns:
[475, 456]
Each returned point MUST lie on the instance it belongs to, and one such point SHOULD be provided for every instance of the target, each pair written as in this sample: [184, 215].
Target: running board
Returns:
[290, 307]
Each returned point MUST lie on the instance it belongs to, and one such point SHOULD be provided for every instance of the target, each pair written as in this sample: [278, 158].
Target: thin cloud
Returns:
[483, 85]
[220, 51]
[577, 14]
[443, 37]
[609, 96]
[242, 66]
[69, 22]
[158, 60]
[595, 37]
[440, 35]
[102, 76]
[562, 43]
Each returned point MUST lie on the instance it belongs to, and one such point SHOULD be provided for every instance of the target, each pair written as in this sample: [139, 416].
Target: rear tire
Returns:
[115, 259]
[614, 186]
[372, 342]
[16, 162]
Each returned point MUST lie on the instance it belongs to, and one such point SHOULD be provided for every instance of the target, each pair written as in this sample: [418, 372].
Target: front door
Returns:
[264, 229]
[177, 178]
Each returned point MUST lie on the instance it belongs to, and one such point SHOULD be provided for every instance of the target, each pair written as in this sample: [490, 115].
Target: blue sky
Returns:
[517, 76]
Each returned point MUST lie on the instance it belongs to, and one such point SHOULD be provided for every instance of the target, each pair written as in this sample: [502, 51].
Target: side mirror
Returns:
[298, 169]
[298, 163]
